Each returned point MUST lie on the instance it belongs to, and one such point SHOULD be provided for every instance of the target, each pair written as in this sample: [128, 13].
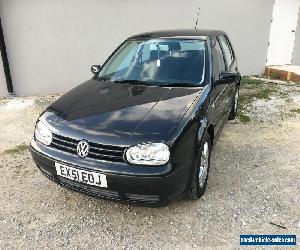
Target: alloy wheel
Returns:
[204, 164]
[236, 98]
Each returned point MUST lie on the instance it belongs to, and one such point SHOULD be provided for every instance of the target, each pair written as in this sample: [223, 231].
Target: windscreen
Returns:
[157, 61]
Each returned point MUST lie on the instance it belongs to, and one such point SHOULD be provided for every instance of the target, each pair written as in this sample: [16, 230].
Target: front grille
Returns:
[97, 151]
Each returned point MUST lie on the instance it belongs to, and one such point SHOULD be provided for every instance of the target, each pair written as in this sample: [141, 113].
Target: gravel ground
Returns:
[254, 180]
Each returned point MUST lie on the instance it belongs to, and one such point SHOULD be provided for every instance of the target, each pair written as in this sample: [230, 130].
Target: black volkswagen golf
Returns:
[142, 129]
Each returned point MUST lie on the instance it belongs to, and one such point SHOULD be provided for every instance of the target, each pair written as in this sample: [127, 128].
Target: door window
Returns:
[227, 51]
[218, 60]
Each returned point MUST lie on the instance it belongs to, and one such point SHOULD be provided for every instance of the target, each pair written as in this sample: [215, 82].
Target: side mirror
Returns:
[95, 69]
[227, 77]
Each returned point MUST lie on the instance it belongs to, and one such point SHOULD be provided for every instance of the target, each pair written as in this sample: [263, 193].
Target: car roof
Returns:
[185, 33]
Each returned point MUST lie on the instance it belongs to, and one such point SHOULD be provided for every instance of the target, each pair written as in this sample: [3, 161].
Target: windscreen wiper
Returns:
[130, 82]
[180, 84]
[104, 78]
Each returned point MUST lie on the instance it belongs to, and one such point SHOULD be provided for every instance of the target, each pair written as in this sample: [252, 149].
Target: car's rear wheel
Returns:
[233, 112]
[199, 181]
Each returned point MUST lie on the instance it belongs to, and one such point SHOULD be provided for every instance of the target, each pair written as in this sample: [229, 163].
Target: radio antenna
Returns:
[197, 19]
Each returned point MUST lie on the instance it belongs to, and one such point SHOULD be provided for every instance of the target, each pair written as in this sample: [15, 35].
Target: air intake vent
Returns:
[97, 151]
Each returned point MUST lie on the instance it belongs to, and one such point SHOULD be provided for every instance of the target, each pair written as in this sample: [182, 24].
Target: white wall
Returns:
[282, 34]
[248, 25]
[3, 89]
[296, 52]
[51, 44]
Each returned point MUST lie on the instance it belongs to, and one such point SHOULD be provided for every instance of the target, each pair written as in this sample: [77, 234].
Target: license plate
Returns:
[87, 177]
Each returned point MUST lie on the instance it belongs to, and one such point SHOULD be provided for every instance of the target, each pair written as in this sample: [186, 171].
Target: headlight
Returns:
[148, 154]
[42, 133]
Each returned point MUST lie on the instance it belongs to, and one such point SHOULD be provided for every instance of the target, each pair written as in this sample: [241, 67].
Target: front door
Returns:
[218, 93]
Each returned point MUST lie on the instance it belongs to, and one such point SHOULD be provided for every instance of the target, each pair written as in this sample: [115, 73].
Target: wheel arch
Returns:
[205, 126]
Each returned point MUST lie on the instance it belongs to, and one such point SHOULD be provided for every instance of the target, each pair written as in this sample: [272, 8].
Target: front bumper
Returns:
[137, 187]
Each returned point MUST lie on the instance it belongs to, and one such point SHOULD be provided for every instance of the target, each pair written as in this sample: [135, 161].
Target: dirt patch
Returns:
[267, 101]
[18, 104]
[254, 181]
[297, 110]
[17, 119]
[16, 150]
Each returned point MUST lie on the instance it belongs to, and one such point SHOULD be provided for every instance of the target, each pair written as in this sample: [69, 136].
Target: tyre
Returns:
[199, 180]
[234, 107]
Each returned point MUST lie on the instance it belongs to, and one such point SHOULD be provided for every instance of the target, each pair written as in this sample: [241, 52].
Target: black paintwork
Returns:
[100, 108]
[124, 115]
[180, 33]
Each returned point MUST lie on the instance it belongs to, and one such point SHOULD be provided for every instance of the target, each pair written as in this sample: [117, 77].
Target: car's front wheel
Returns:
[199, 181]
